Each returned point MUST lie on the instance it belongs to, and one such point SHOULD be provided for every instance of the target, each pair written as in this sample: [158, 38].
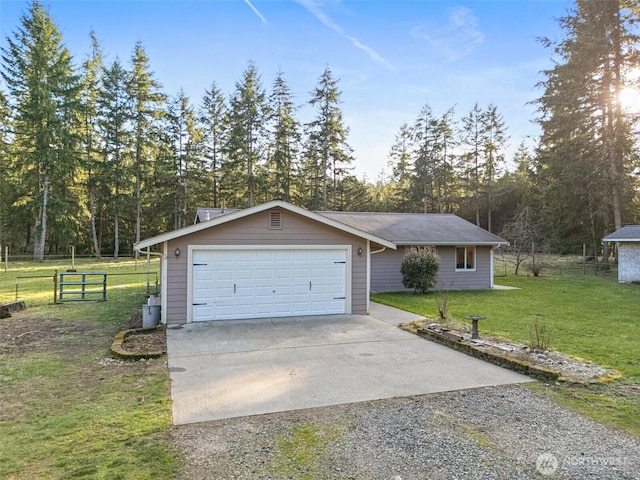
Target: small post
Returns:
[55, 287]
[73, 257]
[474, 325]
[148, 268]
[6, 258]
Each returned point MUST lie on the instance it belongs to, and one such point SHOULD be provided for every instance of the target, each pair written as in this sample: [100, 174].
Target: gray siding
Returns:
[629, 262]
[253, 230]
[386, 276]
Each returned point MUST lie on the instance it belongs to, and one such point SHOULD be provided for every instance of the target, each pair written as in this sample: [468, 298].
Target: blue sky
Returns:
[391, 57]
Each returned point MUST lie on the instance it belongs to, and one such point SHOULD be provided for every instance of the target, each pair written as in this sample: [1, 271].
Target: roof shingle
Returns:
[628, 233]
[418, 228]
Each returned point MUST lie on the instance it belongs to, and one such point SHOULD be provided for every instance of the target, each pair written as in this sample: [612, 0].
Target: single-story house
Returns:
[628, 240]
[276, 259]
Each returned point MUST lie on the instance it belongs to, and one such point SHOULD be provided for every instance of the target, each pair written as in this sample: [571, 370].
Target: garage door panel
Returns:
[235, 284]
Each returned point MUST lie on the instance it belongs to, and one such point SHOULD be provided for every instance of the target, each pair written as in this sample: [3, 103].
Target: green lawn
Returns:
[594, 318]
[67, 412]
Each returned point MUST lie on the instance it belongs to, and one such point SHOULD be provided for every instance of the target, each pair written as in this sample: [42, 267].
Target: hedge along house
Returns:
[276, 260]
[628, 242]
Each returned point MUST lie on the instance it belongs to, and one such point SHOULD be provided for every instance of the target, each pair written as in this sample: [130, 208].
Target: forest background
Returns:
[98, 156]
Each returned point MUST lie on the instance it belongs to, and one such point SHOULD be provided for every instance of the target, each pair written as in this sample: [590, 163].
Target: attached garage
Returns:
[228, 282]
[271, 260]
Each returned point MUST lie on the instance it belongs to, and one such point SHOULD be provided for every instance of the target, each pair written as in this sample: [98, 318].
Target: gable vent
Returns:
[275, 220]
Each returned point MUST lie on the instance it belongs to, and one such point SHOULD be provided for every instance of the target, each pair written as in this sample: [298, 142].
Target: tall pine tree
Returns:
[327, 153]
[245, 144]
[44, 91]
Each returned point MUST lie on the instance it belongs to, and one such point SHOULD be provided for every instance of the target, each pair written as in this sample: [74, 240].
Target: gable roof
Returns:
[628, 233]
[229, 217]
[418, 228]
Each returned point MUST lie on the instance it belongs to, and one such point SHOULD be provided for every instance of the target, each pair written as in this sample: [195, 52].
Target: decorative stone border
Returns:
[118, 351]
[458, 343]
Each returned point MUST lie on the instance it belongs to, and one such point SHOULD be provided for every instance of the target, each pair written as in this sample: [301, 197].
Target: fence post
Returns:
[55, 287]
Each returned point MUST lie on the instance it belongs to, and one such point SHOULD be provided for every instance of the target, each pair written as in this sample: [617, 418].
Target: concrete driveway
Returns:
[237, 368]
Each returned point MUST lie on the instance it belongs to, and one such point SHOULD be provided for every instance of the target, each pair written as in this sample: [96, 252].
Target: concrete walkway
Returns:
[237, 368]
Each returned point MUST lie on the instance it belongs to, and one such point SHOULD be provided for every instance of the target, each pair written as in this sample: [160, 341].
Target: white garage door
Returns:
[237, 284]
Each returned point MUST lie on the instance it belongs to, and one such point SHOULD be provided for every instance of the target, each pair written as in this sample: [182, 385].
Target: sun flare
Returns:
[630, 99]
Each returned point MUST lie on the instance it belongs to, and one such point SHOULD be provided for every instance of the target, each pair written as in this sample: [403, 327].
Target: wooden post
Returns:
[73, 257]
[55, 287]
[6, 258]
[584, 259]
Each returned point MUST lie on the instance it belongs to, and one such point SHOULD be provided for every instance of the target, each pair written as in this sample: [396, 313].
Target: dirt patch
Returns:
[145, 341]
[22, 335]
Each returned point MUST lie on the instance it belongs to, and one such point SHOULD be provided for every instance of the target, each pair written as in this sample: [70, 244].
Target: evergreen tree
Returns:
[433, 138]
[585, 152]
[472, 134]
[5, 167]
[400, 161]
[246, 140]
[327, 153]
[189, 167]
[146, 103]
[494, 140]
[213, 113]
[90, 89]
[285, 140]
[115, 129]
[44, 92]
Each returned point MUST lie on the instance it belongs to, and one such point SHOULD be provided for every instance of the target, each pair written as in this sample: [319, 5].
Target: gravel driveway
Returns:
[501, 432]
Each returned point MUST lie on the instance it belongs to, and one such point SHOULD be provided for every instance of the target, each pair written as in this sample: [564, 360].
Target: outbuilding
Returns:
[628, 241]
[277, 260]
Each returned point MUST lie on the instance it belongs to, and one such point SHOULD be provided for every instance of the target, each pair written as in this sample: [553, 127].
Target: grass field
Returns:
[68, 410]
[592, 317]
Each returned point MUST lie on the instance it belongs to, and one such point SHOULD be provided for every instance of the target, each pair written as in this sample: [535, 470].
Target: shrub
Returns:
[443, 300]
[536, 268]
[420, 268]
[540, 333]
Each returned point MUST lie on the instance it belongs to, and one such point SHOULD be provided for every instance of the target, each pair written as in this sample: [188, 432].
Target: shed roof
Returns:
[418, 228]
[628, 233]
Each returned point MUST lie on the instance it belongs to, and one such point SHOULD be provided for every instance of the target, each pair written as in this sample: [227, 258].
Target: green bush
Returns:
[420, 268]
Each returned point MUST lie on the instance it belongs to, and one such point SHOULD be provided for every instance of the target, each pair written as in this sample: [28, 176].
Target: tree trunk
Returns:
[38, 250]
[138, 209]
[116, 227]
[94, 234]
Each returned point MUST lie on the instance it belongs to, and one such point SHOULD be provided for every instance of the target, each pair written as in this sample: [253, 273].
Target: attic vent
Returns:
[275, 220]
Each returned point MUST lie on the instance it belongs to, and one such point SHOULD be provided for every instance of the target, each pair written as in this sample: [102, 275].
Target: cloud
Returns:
[315, 8]
[256, 11]
[458, 38]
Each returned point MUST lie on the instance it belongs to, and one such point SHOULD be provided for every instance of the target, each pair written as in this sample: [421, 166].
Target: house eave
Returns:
[452, 244]
[621, 240]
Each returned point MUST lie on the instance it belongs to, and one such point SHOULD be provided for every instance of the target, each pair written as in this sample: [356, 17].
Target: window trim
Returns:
[466, 250]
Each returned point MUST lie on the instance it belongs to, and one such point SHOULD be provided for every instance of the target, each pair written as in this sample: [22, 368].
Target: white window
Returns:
[465, 259]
